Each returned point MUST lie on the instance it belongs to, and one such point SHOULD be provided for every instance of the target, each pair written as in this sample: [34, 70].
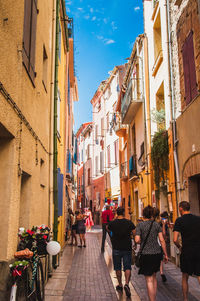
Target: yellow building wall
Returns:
[24, 181]
[61, 141]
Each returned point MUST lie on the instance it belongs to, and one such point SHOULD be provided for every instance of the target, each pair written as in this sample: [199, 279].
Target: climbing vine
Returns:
[159, 158]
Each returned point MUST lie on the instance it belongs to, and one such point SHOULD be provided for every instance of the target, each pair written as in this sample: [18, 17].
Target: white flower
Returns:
[10, 265]
[21, 230]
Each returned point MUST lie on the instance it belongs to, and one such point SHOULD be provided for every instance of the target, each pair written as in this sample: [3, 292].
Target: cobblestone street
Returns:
[85, 275]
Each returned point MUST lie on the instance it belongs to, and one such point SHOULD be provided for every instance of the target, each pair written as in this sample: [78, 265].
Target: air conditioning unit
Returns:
[97, 141]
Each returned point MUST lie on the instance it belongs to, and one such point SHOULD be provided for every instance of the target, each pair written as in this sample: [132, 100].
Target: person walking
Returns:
[89, 220]
[74, 229]
[188, 225]
[147, 233]
[122, 229]
[162, 222]
[81, 229]
[107, 216]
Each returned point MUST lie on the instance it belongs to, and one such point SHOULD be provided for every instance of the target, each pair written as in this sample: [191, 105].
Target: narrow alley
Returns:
[86, 275]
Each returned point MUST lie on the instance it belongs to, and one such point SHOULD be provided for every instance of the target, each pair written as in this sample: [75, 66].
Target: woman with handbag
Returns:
[150, 255]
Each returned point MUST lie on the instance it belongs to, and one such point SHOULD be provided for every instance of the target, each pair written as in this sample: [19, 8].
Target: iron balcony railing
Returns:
[124, 170]
[132, 166]
[133, 95]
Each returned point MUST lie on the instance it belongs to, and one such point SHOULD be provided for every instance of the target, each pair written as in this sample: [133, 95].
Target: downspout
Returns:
[172, 110]
[51, 117]
[55, 149]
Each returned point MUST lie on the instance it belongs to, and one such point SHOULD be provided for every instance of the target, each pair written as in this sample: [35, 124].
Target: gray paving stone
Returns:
[89, 278]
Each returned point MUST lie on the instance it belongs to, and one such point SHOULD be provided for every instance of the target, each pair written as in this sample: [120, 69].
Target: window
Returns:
[29, 37]
[101, 162]
[45, 66]
[58, 112]
[82, 155]
[189, 69]
[97, 164]
[88, 176]
[116, 146]
[88, 151]
[108, 155]
[96, 134]
[107, 121]
[102, 127]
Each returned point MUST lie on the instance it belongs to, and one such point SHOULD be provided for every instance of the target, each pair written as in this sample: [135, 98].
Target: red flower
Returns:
[45, 236]
[30, 232]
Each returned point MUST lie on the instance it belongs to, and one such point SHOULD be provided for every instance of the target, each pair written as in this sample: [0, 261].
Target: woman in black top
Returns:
[151, 253]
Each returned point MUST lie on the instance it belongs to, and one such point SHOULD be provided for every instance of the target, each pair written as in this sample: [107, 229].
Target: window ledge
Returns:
[157, 63]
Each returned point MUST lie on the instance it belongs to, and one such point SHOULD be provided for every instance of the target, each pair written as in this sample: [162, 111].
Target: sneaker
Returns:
[127, 290]
[84, 246]
[119, 288]
[164, 279]
[80, 246]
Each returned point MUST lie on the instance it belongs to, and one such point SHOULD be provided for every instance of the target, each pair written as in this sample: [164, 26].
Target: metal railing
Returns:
[133, 166]
[123, 170]
[133, 93]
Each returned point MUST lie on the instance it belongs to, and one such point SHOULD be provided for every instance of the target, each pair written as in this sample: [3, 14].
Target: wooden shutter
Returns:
[192, 69]
[33, 39]
[29, 37]
[26, 36]
[189, 69]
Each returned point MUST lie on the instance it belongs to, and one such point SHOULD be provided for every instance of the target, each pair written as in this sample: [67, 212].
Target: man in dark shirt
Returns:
[188, 225]
[122, 229]
[107, 216]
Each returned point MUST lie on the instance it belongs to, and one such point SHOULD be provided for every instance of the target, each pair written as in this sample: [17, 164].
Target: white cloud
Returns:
[114, 27]
[80, 8]
[94, 18]
[136, 8]
[87, 17]
[100, 37]
[68, 10]
[91, 10]
[68, 3]
[108, 42]
[105, 20]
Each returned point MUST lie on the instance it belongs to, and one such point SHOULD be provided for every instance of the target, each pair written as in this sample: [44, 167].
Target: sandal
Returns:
[119, 288]
[127, 290]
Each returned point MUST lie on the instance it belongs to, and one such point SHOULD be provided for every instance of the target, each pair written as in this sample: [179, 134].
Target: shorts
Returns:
[74, 227]
[190, 262]
[118, 257]
[81, 230]
[150, 264]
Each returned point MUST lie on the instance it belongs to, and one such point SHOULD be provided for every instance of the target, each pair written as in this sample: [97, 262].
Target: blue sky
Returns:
[104, 33]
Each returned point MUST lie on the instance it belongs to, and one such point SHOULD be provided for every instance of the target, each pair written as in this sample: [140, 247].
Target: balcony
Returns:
[133, 167]
[157, 63]
[124, 171]
[118, 127]
[155, 8]
[132, 100]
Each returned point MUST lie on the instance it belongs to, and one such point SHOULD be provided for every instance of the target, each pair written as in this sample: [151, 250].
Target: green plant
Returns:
[159, 158]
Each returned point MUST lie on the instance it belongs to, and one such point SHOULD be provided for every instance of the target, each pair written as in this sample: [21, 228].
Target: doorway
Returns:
[194, 194]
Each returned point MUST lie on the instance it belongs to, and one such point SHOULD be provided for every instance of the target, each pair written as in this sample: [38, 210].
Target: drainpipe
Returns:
[144, 111]
[172, 108]
[55, 149]
[51, 116]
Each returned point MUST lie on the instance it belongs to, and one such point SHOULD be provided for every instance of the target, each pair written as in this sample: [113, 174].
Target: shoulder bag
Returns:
[138, 256]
